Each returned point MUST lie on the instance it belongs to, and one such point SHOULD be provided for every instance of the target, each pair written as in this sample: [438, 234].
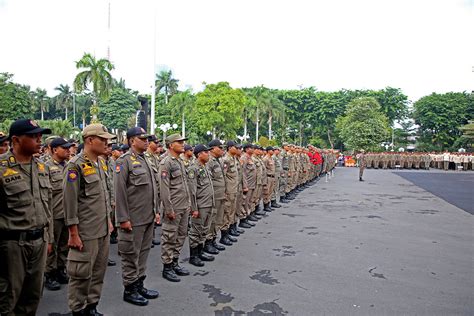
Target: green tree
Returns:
[15, 101]
[64, 98]
[97, 74]
[364, 125]
[59, 127]
[182, 104]
[165, 81]
[42, 100]
[439, 117]
[117, 110]
[219, 109]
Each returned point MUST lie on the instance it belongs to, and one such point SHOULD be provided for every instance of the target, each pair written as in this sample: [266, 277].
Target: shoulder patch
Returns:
[191, 174]
[71, 175]
[164, 174]
[118, 168]
[12, 160]
[9, 172]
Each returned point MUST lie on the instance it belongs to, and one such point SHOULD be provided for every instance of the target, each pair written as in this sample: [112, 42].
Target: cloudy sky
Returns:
[420, 46]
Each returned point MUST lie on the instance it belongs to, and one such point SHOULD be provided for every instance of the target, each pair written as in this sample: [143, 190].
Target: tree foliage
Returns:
[440, 116]
[117, 110]
[15, 99]
[219, 109]
[363, 125]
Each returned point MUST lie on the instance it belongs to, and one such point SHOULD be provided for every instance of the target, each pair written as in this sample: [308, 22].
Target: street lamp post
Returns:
[166, 127]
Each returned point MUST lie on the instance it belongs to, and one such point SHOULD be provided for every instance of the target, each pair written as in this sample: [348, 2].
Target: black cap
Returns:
[231, 143]
[214, 143]
[238, 146]
[3, 137]
[199, 148]
[269, 148]
[125, 147]
[26, 126]
[188, 147]
[247, 145]
[72, 141]
[59, 141]
[116, 147]
[153, 138]
[137, 131]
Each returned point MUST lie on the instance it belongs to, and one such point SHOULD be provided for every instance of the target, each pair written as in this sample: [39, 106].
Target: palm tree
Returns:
[182, 103]
[274, 108]
[42, 97]
[64, 97]
[165, 81]
[97, 73]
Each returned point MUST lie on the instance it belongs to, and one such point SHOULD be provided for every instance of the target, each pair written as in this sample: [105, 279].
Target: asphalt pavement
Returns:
[381, 247]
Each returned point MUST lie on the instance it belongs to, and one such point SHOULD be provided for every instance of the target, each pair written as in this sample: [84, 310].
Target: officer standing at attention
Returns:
[202, 201]
[176, 204]
[87, 211]
[361, 160]
[25, 220]
[56, 264]
[136, 210]
[218, 181]
[269, 164]
[232, 168]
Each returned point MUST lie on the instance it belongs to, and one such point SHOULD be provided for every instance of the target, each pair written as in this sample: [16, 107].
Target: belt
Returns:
[21, 234]
[270, 176]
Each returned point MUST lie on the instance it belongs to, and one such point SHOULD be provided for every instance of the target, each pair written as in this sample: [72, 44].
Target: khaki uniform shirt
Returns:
[202, 190]
[135, 189]
[249, 171]
[25, 195]
[56, 176]
[174, 189]
[269, 165]
[217, 176]
[231, 168]
[86, 199]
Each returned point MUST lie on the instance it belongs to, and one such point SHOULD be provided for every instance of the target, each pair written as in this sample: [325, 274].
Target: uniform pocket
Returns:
[175, 173]
[92, 185]
[125, 244]
[138, 177]
[17, 194]
[79, 264]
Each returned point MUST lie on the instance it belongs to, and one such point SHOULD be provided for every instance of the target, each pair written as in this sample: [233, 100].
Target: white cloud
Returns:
[421, 46]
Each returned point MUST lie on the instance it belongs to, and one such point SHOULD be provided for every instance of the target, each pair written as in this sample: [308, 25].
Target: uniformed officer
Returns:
[56, 264]
[218, 181]
[109, 173]
[249, 184]
[231, 167]
[202, 201]
[176, 205]
[3, 143]
[187, 156]
[278, 170]
[361, 160]
[87, 215]
[269, 164]
[136, 210]
[25, 220]
[153, 153]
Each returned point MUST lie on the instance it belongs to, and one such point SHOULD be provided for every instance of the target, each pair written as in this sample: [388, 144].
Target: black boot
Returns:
[244, 224]
[178, 269]
[169, 274]
[252, 218]
[284, 200]
[230, 237]
[237, 229]
[258, 211]
[91, 310]
[233, 231]
[156, 242]
[143, 291]
[194, 257]
[249, 221]
[202, 255]
[61, 276]
[51, 283]
[216, 245]
[360, 179]
[111, 263]
[275, 204]
[224, 240]
[209, 248]
[82, 312]
[131, 295]
[267, 207]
